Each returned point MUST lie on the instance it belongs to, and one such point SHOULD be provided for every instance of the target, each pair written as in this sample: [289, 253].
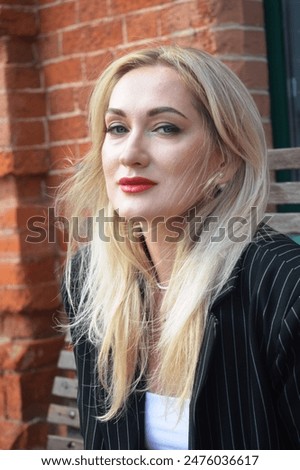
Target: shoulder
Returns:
[269, 280]
[271, 254]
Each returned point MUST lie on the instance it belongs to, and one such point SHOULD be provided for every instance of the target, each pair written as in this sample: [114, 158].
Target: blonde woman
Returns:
[184, 306]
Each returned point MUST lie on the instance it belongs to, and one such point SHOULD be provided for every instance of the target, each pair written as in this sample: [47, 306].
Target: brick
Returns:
[246, 12]
[253, 13]
[5, 140]
[24, 325]
[180, 17]
[28, 132]
[30, 162]
[207, 10]
[263, 103]
[24, 354]
[61, 101]
[16, 244]
[82, 96]
[23, 436]
[21, 162]
[3, 87]
[6, 162]
[204, 39]
[57, 17]
[17, 22]
[19, 50]
[48, 47]
[24, 298]
[63, 157]
[253, 73]
[25, 188]
[46, 2]
[18, 2]
[223, 11]
[29, 188]
[240, 41]
[3, 50]
[69, 128]
[12, 433]
[92, 37]
[30, 272]
[54, 180]
[22, 77]
[13, 217]
[120, 7]
[91, 10]
[84, 148]
[143, 25]
[62, 241]
[2, 401]
[8, 188]
[10, 244]
[28, 394]
[63, 72]
[27, 104]
[95, 64]
[122, 50]
[4, 110]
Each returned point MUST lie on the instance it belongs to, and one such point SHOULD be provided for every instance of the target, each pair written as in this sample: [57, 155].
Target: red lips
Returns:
[135, 184]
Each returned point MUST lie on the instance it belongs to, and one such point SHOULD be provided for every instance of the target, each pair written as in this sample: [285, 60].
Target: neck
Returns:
[161, 244]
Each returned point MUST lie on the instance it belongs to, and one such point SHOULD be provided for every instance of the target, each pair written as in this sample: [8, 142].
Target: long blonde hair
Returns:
[114, 278]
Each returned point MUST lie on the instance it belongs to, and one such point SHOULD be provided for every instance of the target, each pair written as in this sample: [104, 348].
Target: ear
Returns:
[227, 171]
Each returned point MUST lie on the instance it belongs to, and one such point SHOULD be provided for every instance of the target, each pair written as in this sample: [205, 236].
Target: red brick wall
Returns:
[51, 51]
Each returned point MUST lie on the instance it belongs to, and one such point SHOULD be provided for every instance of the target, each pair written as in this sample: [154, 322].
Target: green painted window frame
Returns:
[278, 85]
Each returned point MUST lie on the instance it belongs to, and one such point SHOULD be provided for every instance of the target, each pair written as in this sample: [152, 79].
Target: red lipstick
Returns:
[136, 184]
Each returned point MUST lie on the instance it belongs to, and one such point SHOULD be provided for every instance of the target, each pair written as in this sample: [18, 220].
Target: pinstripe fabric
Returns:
[246, 392]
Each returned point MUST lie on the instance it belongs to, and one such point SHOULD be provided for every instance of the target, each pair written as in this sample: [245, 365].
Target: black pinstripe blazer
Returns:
[246, 392]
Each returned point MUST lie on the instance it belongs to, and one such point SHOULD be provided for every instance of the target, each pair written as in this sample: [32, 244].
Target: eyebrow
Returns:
[152, 112]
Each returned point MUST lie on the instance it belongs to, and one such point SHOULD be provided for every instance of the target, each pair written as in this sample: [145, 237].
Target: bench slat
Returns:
[288, 222]
[64, 443]
[284, 159]
[66, 360]
[65, 387]
[284, 193]
[62, 414]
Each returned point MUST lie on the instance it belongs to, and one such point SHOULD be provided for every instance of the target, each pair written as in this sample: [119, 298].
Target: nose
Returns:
[134, 151]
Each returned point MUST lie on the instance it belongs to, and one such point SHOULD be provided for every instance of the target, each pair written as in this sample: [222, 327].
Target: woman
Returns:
[184, 306]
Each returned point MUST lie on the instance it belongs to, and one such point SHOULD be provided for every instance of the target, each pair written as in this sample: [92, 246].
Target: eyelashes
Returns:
[116, 129]
[162, 129]
[167, 129]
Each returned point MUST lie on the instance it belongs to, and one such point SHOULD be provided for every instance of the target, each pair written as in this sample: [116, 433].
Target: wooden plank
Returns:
[284, 159]
[66, 360]
[284, 193]
[64, 443]
[65, 387]
[288, 222]
[68, 336]
[61, 414]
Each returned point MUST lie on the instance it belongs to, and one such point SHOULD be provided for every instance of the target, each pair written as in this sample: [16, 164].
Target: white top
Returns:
[163, 430]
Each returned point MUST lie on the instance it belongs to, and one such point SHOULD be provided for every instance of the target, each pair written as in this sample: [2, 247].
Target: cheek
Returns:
[108, 165]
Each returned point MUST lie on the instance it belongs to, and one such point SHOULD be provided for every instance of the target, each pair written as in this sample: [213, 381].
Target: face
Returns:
[153, 145]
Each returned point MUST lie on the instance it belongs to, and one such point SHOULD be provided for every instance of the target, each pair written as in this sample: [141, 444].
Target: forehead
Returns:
[158, 84]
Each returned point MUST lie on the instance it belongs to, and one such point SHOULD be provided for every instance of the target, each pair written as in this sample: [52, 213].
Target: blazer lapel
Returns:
[201, 373]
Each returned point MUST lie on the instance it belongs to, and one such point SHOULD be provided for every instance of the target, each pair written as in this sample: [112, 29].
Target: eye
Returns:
[116, 129]
[167, 129]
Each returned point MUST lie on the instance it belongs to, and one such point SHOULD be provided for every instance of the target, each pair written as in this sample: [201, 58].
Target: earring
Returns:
[220, 175]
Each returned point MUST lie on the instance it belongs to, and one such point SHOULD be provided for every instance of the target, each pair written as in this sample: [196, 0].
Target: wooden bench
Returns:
[284, 192]
[63, 415]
